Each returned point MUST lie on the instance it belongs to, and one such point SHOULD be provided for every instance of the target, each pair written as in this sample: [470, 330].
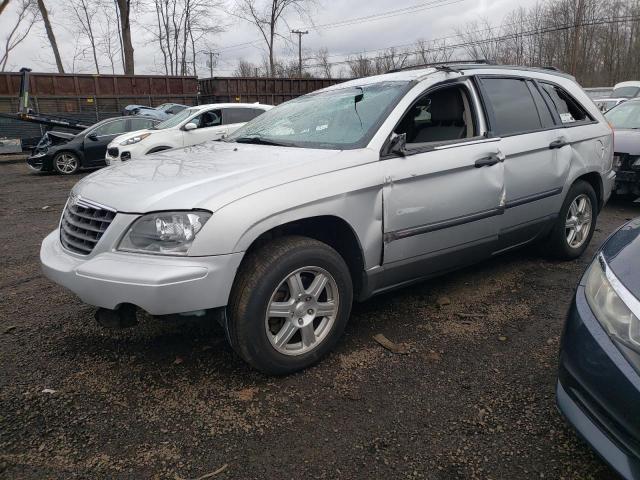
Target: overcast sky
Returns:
[366, 36]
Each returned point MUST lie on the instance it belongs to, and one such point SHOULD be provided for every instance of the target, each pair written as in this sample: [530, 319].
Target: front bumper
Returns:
[160, 285]
[40, 163]
[598, 390]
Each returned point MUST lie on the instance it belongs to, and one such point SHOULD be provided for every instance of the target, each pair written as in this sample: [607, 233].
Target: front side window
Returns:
[625, 115]
[568, 109]
[176, 120]
[111, 128]
[341, 118]
[208, 119]
[514, 110]
[441, 116]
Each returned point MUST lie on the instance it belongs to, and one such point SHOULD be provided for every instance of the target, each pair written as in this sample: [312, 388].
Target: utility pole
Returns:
[211, 55]
[300, 33]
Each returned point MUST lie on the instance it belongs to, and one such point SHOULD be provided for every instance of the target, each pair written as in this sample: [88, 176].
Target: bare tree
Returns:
[85, 13]
[322, 57]
[267, 16]
[245, 69]
[44, 14]
[3, 5]
[179, 26]
[124, 13]
[26, 16]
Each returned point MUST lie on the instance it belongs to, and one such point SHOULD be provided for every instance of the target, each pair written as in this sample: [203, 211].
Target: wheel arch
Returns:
[330, 229]
[595, 180]
[158, 149]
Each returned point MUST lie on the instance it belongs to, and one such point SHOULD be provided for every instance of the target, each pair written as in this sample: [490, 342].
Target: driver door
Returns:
[96, 141]
[444, 198]
[209, 128]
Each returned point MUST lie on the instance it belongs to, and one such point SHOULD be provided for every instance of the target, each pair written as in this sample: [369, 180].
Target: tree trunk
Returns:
[52, 38]
[125, 26]
[3, 5]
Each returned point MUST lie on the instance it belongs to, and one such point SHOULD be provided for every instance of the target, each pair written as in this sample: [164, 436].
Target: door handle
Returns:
[492, 159]
[559, 143]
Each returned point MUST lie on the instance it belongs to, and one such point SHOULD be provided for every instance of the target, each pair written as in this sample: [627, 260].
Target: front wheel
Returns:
[66, 163]
[576, 223]
[289, 305]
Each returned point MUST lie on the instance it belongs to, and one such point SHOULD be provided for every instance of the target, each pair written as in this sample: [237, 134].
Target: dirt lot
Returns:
[473, 398]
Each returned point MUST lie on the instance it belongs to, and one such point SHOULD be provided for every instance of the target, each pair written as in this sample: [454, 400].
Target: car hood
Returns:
[622, 253]
[208, 175]
[627, 141]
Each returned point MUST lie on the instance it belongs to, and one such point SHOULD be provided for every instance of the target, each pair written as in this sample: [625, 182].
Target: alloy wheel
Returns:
[578, 221]
[66, 163]
[302, 311]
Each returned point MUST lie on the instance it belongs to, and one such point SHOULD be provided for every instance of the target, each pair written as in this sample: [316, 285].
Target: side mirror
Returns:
[398, 144]
[190, 126]
[93, 136]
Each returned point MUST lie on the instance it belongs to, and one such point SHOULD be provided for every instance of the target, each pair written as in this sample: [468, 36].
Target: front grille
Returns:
[83, 224]
[113, 152]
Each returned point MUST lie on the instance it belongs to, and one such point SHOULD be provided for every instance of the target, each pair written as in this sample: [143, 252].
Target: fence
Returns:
[258, 89]
[92, 98]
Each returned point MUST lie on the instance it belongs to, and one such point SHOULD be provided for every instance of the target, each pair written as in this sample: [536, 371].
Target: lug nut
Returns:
[310, 312]
[308, 299]
[300, 321]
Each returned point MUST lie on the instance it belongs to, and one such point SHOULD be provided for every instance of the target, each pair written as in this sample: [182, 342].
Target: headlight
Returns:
[164, 233]
[136, 139]
[613, 305]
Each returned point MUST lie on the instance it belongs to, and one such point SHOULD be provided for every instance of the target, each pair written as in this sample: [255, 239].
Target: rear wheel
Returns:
[66, 163]
[576, 223]
[289, 305]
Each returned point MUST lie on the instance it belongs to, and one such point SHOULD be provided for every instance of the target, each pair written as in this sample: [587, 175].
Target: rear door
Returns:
[533, 175]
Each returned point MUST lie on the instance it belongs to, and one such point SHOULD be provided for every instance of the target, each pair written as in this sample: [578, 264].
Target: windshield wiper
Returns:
[258, 140]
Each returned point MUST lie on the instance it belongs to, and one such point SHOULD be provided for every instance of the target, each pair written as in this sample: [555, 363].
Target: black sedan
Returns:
[598, 389]
[67, 153]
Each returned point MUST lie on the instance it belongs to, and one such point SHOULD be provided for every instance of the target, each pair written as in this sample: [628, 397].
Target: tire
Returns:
[560, 244]
[66, 163]
[275, 345]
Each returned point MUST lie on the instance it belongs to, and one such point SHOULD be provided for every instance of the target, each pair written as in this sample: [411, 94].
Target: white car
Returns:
[606, 104]
[189, 127]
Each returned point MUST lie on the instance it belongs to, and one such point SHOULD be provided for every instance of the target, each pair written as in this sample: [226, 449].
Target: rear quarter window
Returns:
[569, 110]
[240, 115]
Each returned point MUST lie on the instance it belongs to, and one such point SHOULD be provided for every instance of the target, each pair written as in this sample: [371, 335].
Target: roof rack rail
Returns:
[480, 61]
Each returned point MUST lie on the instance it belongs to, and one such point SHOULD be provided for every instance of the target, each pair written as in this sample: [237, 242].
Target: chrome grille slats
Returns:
[82, 225]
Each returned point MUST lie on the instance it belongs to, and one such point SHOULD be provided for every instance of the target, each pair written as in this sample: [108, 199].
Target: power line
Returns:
[603, 21]
[359, 20]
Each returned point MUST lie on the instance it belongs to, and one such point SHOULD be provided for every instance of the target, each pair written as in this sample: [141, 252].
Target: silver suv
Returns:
[337, 196]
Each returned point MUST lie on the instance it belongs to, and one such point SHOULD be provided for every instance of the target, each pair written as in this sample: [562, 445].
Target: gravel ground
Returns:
[472, 398]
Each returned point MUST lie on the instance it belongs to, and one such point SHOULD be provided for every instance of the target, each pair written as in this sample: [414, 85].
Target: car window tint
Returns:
[111, 128]
[239, 115]
[568, 109]
[208, 119]
[514, 110]
[543, 110]
[440, 116]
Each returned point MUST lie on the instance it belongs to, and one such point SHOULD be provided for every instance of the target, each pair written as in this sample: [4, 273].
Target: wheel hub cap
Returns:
[578, 221]
[302, 311]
